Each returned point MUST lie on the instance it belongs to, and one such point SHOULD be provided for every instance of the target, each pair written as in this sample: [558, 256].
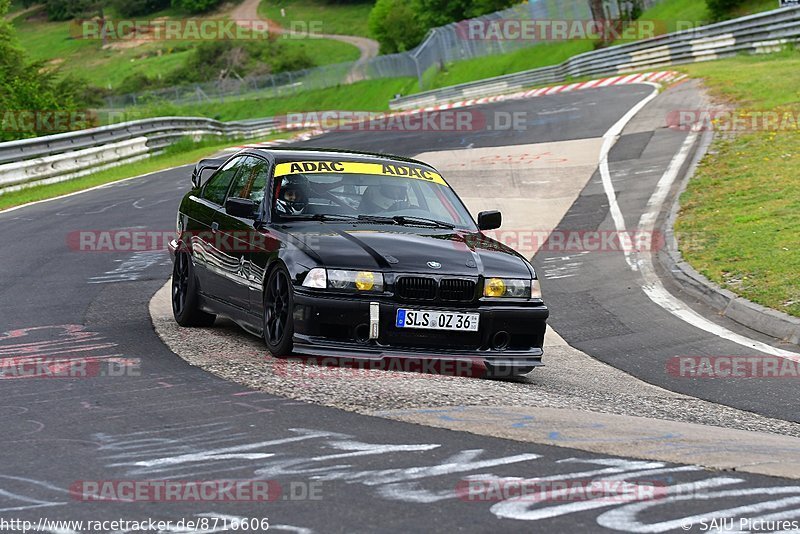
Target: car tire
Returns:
[185, 306]
[278, 306]
[507, 371]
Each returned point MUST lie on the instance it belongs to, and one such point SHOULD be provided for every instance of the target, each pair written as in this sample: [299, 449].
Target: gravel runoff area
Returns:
[570, 380]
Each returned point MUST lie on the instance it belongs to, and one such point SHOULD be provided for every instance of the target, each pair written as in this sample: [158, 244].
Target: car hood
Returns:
[409, 250]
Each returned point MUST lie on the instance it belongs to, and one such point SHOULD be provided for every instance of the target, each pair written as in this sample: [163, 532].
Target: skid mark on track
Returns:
[567, 266]
[133, 268]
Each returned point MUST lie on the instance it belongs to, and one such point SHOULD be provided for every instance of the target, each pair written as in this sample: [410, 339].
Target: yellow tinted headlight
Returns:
[365, 281]
[494, 287]
[355, 280]
[507, 288]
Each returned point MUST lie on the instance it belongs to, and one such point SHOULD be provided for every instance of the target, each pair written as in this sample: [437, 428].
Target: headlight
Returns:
[356, 281]
[507, 288]
[316, 278]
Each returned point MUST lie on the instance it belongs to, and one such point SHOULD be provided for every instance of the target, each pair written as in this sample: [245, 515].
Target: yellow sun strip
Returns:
[396, 170]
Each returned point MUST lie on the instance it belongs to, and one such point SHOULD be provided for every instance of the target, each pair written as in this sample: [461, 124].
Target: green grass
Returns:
[753, 6]
[323, 51]
[341, 18]
[676, 15]
[740, 219]
[371, 95]
[487, 67]
[759, 81]
[184, 153]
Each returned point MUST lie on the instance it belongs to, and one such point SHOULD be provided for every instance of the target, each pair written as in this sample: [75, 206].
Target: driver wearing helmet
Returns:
[293, 195]
[385, 197]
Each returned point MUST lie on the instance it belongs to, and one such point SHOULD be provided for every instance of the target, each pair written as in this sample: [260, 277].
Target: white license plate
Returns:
[437, 320]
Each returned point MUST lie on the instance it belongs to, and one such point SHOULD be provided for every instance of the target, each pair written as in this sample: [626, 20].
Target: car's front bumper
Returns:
[329, 326]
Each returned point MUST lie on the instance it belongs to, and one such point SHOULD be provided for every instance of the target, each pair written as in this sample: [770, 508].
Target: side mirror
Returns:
[489, 220]
[241, 207]
[196, 178]
[208, 164]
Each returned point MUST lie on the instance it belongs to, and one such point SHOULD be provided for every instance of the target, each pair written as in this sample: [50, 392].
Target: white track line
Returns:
[101, 186]
[609, 140]
[642, 262]
[653, 287]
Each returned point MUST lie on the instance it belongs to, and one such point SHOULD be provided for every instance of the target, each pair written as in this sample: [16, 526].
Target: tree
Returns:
[196, 6]
[395, 26]
[433, 13]
[599, 16]
[401, 25]
[136, 8]
[482, 7]
[69, 9]
[721, 9]
[27, 87]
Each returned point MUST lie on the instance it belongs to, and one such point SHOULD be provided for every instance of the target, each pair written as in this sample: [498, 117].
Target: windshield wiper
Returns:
[377, 219]
[380, 219]
[422, 221]
[320, 217]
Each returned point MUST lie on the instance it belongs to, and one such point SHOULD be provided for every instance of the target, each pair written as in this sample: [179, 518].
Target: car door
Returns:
[237, 234]
[208, 252]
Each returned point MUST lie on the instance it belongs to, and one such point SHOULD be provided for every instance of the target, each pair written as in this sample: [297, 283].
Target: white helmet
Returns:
[293, 195]
[383, 197]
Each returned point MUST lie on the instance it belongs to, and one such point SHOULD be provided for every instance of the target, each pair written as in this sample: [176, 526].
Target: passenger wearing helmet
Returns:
[385, 197]
[293, 195]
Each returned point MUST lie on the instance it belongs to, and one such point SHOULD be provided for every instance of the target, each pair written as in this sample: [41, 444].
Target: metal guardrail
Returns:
[64, 156]
[760, 33]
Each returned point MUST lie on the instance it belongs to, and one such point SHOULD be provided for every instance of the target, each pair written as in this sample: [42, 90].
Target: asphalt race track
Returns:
[338, 471]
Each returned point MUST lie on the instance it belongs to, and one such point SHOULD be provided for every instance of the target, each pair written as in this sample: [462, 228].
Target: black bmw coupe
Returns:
[345, 254]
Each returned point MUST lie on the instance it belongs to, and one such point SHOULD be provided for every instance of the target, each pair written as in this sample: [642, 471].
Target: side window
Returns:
[216, 188]
[251, 182]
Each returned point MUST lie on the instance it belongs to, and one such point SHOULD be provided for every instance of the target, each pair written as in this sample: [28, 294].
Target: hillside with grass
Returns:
[134, 64]
[343, 18]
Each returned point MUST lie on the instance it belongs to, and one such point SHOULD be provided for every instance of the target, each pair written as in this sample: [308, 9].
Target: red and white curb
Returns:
[651, 77]
[662, 77]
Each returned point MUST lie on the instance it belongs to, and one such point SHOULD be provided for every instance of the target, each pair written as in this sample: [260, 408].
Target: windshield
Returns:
[380, 194]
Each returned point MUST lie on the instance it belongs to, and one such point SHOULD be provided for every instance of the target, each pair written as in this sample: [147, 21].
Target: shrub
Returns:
[395, 25]
[720, 9]
[196, 6]
[135, 8]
